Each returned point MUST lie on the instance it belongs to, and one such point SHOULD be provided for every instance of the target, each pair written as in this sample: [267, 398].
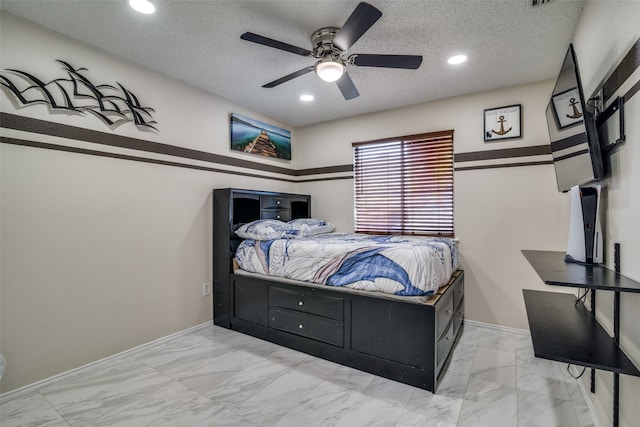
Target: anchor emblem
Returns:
[576, 113]
[501, 120]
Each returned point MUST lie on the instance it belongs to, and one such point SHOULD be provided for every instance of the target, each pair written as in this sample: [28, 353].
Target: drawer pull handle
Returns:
[277, 216]
[300, 303]
[299, 326]
[277, 202]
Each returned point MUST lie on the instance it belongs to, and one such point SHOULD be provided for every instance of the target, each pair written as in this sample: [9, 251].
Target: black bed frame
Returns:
[389, 337]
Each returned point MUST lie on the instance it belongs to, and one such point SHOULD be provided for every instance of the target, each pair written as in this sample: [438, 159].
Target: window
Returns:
[405, 185]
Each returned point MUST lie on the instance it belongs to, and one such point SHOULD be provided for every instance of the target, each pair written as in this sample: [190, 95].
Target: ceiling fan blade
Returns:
[347, 87]
[362, 18]
[289, 77]
[409, 62]
[266, 41]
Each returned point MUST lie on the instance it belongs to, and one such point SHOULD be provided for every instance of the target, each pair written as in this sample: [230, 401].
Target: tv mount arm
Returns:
[617, 106]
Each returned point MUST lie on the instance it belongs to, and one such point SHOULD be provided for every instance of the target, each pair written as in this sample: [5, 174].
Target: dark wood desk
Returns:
[563, 329]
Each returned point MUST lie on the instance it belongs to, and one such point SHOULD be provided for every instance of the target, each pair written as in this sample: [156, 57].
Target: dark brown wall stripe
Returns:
[507, 165]
[12, 121]
[335, 178]
[634, 89]
[505, 153]
[57, 147]
[625, 68]
[327, 169]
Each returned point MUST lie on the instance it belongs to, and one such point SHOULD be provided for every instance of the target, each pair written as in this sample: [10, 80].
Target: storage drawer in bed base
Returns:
[308, 302]
[307, 325]
[445, 342]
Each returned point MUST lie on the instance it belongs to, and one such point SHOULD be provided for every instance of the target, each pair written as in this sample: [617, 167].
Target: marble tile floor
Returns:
[216, 377]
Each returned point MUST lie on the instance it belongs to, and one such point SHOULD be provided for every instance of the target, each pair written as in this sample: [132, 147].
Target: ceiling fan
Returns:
[330, 46]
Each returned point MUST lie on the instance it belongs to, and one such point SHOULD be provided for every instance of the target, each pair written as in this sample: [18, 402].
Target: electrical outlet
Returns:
[206, 289]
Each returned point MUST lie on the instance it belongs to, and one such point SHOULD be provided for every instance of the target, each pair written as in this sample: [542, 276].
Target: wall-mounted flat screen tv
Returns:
[572, 130]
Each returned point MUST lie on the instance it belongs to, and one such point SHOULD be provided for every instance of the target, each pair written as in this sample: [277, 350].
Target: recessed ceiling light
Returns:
[142, 6]
[306, 97]
[457, 59]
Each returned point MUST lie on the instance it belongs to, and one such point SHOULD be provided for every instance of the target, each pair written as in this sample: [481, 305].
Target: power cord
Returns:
[579, 375]
[581, 298]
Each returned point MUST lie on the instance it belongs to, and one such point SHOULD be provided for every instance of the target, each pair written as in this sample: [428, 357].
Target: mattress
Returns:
[396, 265]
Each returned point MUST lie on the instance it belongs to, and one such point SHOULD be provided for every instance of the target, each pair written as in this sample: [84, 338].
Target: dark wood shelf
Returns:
[553, 270]
[566, 331]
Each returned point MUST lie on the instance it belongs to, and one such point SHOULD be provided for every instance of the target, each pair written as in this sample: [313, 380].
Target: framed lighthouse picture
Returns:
[255, 137]
[503, 123]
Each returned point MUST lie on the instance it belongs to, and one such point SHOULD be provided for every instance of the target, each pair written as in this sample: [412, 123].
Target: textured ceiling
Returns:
[508, 42]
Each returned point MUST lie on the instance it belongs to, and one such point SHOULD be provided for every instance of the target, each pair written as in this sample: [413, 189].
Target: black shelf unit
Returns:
[567, 332]
[563, 329]
[233, 207]
[554, 270]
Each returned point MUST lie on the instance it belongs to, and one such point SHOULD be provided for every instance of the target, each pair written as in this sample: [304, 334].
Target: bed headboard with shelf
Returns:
[231, 209]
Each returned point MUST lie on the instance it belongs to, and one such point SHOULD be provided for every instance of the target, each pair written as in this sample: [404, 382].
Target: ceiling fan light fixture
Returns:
[329, 69]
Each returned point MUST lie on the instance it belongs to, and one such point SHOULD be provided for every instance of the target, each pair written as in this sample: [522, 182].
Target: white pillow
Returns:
[303, 227]
[264, 229]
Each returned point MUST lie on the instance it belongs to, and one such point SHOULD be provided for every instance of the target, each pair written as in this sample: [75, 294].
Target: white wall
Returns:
[99, 255]
[606, 32]
[498, 211]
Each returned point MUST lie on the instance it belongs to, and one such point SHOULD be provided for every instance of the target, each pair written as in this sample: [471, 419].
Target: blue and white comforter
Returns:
[400, 265]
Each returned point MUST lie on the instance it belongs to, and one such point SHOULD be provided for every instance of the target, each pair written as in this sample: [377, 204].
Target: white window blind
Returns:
[405, 185]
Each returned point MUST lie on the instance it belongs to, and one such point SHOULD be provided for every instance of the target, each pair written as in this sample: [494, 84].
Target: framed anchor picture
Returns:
[503, 123]
[567, 108]
[255, 137]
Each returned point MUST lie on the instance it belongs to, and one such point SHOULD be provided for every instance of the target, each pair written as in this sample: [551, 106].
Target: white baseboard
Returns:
[38, 384]
[498, 327]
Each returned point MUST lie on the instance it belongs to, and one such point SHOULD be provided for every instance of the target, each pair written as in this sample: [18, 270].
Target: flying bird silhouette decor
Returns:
[113, 105]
